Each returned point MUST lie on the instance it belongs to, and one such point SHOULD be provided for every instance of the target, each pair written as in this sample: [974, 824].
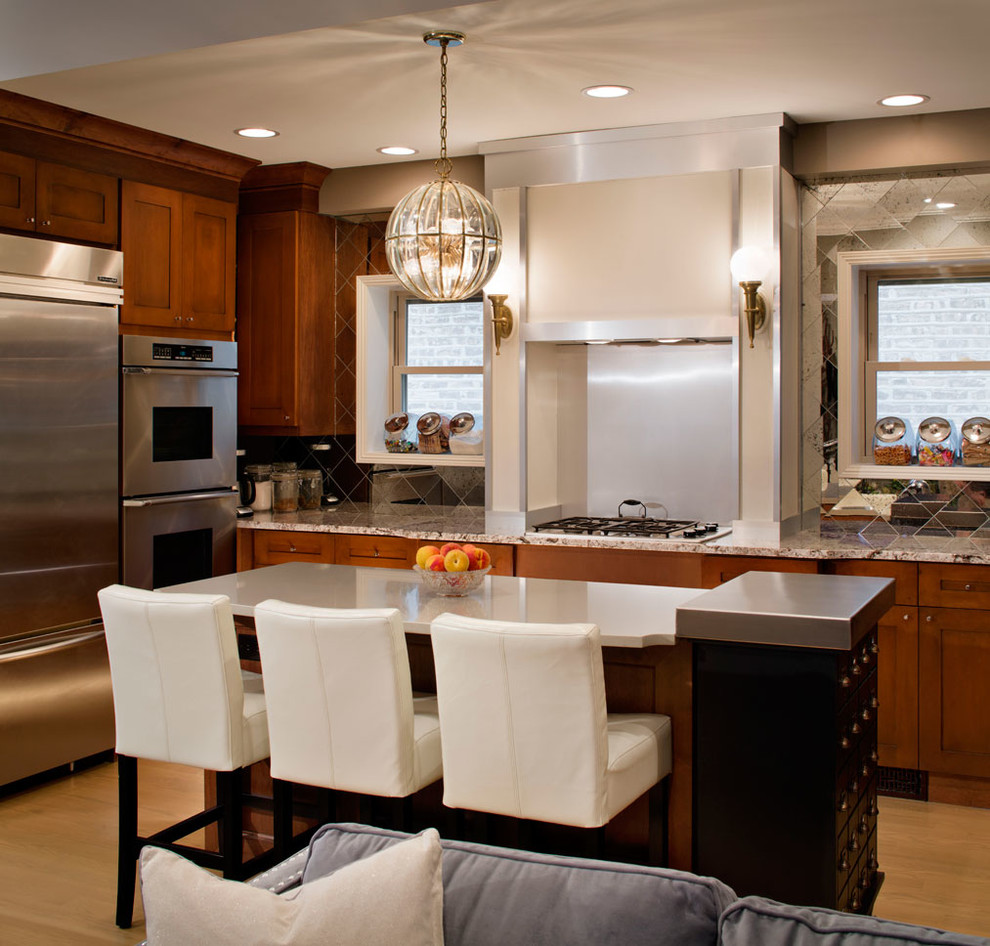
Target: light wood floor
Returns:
[58, 858]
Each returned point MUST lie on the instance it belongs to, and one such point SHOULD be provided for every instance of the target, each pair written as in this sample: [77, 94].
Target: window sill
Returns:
[873, 471]
[427, 459]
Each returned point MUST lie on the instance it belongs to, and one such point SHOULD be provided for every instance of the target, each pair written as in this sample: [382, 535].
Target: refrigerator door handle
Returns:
[201, 374]
[176, 498]
[51, 647]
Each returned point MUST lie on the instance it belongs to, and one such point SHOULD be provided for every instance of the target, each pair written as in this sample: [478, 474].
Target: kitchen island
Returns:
[648, 665]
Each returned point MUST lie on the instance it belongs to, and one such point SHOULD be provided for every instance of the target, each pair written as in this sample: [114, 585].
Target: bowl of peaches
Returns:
[452, 569]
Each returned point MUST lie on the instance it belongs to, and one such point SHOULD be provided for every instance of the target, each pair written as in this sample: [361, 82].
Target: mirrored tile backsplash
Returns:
[880, 213]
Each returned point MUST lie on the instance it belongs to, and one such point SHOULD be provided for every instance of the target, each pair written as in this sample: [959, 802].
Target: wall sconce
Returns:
[501, 319]
[749, 265]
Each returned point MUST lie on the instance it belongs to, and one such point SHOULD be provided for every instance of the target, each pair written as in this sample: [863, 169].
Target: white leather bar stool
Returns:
[525, 731]
[341, 710]
[179, 695]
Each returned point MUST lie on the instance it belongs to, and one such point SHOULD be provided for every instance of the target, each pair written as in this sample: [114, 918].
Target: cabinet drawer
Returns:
[716, 569]
[377, 551]
[954, 586]
[905, 575]
[273, 547]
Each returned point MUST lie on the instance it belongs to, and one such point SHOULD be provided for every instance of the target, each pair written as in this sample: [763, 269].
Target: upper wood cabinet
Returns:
[178, 262]
[285, 303]
[56, 200]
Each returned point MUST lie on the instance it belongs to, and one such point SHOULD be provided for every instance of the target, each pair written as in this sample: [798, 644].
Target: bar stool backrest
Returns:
[177, 689]
[340, 704]
[523, 722]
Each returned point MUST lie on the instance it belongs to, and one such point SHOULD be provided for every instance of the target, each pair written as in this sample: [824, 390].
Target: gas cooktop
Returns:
[678, 530]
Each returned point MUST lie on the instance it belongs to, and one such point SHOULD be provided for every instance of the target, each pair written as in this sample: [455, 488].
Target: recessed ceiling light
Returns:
[945, 205]
[256, 132]
[397, 149]
[902, 101]
[606, 91]
[928, 200]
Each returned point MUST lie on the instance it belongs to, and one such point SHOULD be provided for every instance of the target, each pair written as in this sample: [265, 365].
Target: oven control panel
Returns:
[170, 352]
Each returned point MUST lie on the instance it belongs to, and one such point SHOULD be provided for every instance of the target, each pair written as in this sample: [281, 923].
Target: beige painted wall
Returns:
[377, 188]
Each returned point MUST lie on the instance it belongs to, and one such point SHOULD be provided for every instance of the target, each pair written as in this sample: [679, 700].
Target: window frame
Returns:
[398, 303]
[858, 275]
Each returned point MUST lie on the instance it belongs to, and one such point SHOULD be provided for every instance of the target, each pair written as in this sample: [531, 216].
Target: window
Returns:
[914, 342]
[439, 357]
[928, 347]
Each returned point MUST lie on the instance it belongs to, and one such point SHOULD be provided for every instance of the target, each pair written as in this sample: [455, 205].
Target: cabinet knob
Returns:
[968, 588]
[843, 802]
[189, 318]
[844, 861]
[854, 901]
[376, 553]
[178, 318]
[854, 843]
[929, 619]
[845, 683]
[865, 714]
[905, 616]
[29, 219]
[286, 417]
[874, 646]
[292, 548]
[46, 223]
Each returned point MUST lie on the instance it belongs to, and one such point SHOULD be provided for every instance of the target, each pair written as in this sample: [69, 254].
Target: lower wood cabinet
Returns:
[259, 547]
[631, 566]
[897, 671]
[953, 691]
[717, 569]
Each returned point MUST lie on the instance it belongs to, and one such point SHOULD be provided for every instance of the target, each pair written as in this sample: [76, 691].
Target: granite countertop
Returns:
[875, 540]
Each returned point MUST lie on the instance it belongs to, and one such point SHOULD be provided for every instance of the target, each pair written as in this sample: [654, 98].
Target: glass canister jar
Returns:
[260, 476]
[938, 443]
[310, 489]
[892, 442]
[975, 442]
[434, 432]
[398, 437]
[284, 466]
[464, 437]
[285, 490]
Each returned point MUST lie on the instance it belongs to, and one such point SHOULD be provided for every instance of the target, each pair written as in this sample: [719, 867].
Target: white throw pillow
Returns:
[393, 897]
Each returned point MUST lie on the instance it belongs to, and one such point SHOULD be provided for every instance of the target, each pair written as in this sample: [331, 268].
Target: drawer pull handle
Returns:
[844, 742]
[874, 702]
[844, 861]
[854, 903]
[865, 714]
[854, 843]
[845, 683]
[843, 802]
[376, 553]
[292, 548]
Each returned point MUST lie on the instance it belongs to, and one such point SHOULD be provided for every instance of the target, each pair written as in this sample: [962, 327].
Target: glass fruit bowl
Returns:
[452, 584]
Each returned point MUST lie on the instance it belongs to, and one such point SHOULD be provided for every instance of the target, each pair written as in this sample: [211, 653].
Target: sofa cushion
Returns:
[754, 921]
[494, 896]
[391, 898]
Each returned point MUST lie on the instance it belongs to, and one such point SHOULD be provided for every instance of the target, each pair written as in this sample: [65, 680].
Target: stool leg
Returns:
[282, 814]
[127, 822]
[231, 830]
[659, 829]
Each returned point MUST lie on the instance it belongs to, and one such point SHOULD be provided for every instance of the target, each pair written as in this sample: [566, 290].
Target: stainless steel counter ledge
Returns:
[830, 612]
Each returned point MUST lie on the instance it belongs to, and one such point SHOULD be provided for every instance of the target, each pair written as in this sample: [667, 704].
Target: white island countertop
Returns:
[627, 615]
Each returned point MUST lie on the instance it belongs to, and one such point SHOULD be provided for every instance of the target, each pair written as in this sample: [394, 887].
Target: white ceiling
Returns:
[338, 87]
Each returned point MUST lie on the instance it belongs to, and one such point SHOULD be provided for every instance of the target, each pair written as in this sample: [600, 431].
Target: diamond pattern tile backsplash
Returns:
[878, 213]
[359, 251]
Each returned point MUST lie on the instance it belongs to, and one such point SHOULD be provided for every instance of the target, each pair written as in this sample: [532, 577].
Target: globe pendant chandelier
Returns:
[443, 240]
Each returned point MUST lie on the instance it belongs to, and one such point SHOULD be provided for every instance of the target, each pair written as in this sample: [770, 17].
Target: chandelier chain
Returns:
[443, 164]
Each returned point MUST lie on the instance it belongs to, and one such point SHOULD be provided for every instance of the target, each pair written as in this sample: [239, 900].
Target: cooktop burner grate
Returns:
[627, 525]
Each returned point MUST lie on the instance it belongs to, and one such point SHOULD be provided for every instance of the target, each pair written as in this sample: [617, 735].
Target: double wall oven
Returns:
[178, 459]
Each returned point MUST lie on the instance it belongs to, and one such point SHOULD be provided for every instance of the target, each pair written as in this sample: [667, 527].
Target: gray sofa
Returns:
[495, 896]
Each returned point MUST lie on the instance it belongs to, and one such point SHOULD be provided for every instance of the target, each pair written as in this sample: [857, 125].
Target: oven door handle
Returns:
[175, 498]
[180, 372]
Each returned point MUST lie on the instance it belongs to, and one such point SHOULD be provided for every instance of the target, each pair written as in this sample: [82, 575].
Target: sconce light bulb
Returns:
[750, 264]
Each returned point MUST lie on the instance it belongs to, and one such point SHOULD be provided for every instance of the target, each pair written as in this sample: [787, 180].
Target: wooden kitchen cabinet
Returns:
[897, 688]
[954, 696]
[897, 671]
[178, 262]
[285, 323]
[718, 569]
[631, 566]
[275, 546]
[56, 200]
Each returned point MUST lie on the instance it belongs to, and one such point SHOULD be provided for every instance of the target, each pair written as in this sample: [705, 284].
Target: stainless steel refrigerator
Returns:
[58, 499]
